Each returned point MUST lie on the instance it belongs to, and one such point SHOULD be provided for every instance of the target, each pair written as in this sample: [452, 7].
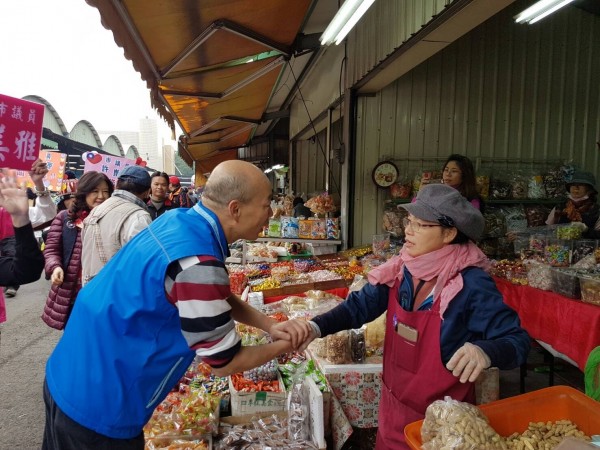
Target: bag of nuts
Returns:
[338, 347]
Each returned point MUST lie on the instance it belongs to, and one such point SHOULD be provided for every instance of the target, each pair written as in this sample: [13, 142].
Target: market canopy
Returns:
[211, 65]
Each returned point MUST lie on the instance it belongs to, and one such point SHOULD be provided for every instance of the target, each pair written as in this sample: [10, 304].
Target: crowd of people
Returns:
[140, 287]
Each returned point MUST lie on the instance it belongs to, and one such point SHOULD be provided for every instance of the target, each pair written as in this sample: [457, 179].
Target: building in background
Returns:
[150, 148]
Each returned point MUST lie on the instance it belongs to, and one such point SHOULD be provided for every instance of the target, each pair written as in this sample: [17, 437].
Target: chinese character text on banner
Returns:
[20, 132]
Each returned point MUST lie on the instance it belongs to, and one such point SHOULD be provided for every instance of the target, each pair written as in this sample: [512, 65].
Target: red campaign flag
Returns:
[21, 124]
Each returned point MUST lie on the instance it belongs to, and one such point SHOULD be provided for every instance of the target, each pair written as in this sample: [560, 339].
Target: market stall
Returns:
[570, 326]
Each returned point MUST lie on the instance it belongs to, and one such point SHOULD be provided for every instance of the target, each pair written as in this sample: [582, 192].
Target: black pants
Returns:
[62, 433]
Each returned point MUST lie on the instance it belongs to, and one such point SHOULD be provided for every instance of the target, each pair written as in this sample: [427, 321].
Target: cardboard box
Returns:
[316, 412]
[243, 403]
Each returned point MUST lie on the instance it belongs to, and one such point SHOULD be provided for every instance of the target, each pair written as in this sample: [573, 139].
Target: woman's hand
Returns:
[13, 199]
[296, 331]
[468, 362]
[57, 276]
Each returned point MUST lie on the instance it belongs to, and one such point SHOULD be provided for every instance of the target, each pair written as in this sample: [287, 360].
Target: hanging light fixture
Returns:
[345, 19]
[539, 10]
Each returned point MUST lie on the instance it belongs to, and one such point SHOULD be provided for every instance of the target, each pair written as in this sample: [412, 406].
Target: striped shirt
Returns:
[199, 287]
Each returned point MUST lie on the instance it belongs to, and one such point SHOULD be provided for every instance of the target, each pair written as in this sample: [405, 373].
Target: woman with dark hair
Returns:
[458, 172]
[63, 248]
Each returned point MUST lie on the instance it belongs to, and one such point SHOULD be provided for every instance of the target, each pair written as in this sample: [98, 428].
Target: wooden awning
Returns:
[211, 65]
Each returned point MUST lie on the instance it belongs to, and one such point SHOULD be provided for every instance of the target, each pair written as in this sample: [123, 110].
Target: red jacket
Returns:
[63, 249]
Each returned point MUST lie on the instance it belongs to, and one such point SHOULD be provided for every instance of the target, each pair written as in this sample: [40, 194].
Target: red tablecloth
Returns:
[570, 326]
[340, 292]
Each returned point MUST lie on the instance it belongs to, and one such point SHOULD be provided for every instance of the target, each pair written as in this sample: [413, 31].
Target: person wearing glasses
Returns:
[458, 172]
[446, 320]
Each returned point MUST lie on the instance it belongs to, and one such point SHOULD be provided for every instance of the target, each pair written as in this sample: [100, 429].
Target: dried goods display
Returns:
[358, 347]
[338, 347]
[268, 432]
[401, 189]
[321, 204]
[191, 413]
[450, 424]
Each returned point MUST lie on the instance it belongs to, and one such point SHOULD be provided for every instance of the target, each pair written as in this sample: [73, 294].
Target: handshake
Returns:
[299, 333]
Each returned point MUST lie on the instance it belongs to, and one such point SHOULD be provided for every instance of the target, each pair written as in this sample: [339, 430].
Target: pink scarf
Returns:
[445, 264]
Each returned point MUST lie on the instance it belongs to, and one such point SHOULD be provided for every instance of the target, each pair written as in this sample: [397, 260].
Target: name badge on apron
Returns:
[407, 332]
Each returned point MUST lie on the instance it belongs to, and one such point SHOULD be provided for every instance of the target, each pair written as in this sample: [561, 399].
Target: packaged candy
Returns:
[289, 227]
[333, 228]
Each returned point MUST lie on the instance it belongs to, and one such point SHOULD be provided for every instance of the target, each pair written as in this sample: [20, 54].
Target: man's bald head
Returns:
[234, 180]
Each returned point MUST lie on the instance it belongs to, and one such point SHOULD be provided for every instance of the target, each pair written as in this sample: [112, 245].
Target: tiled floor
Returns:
[536, 377]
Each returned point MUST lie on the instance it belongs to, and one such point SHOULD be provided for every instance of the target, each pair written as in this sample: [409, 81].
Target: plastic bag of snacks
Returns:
[518, 186]
[450, 424]
[338, 347]
[358, 347]
[536, 215]
[401, 189]
[495, 223]
[535, 186]
[554, 183]
[499, 186]
[483, 186]
[298, 411]
[392, 220]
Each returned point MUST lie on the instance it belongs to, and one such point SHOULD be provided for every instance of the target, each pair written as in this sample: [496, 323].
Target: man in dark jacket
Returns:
[159, 190]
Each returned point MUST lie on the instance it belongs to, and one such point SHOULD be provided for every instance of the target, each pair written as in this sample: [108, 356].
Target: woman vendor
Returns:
[446, 320]
[581, 204]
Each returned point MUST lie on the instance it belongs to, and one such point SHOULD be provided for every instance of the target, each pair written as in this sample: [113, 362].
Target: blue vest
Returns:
[123, 349]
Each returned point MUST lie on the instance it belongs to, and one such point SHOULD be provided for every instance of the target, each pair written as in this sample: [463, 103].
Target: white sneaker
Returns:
[10, 291]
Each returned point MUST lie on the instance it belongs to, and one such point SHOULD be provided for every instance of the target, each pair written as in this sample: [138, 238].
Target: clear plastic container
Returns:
[558, 252]
[590, 289]
[568, 231]
[539, 275]
[521, 244]
[583, 248]
[565, 281]
[537, 244]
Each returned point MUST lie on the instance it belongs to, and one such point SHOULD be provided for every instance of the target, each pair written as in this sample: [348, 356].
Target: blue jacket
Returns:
[123, 349]
[477, 315]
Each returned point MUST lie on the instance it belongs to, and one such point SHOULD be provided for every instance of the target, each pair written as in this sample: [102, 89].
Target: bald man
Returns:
[161, 300]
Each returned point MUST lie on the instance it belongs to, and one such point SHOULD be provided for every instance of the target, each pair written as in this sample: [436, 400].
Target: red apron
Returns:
[413, 373]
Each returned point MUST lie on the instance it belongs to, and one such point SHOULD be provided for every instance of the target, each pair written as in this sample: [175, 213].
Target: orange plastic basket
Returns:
[513, 414]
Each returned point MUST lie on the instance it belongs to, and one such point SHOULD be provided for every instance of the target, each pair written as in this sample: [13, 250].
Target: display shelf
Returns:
[512, 201]
[305, 241]
[524, 201]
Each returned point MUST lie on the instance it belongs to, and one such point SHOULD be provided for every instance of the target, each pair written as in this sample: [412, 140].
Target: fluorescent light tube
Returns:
[345, 19]
[539, 10]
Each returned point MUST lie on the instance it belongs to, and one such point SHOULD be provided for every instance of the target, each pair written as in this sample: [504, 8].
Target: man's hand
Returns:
[296, 331]
[12, 199]
[38, 171]
[468, 362]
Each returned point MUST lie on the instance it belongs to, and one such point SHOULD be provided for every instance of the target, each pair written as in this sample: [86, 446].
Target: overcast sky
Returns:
[60, 51]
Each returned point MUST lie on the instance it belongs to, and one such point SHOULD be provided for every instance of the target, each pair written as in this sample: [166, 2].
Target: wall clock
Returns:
[385, 173]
